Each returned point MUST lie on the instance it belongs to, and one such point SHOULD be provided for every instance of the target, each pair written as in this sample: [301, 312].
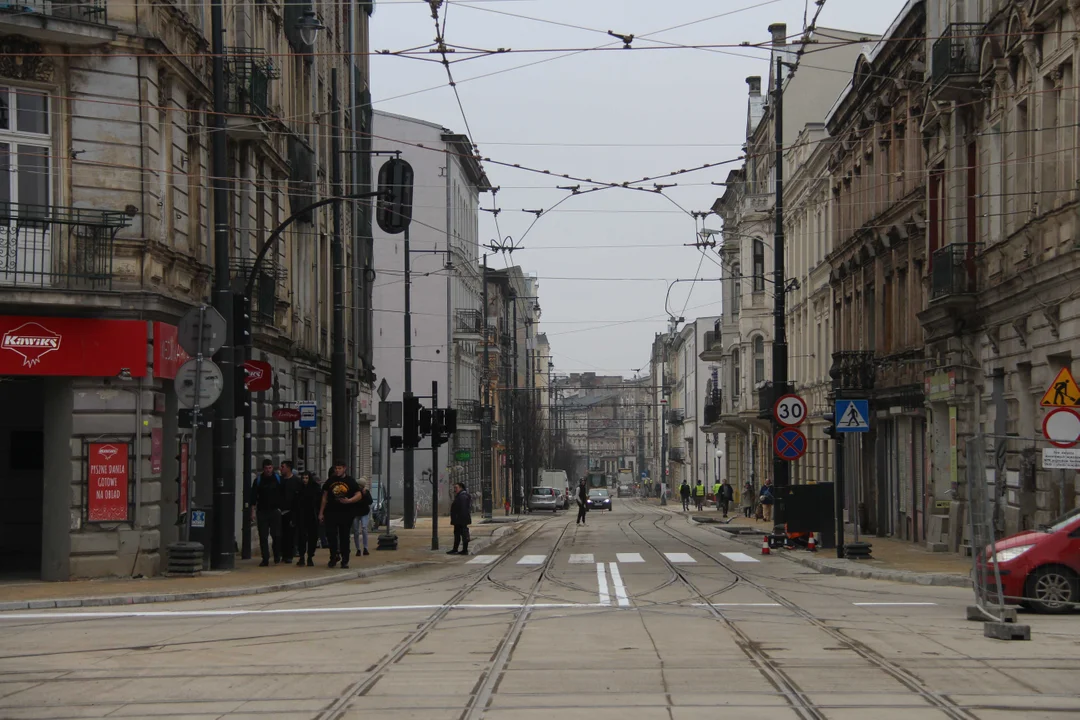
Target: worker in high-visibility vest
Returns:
[716, 493]
[699, 495]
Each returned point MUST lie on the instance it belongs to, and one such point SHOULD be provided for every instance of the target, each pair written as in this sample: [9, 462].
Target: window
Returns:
[736, 292]
[736, 373]
[759, 266]
[24, 150]
[759, 359]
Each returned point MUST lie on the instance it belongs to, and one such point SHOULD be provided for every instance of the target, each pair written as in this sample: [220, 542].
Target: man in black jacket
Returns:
[340, 495]
[290, 485]
[582, 501]
[266, 499]
[461, 519]
[306, 504]
[684, 493]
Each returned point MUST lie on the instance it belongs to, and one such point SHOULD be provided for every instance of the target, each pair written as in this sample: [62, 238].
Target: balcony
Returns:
[73, 22]
[954, 280]
[265, 296]
[677, 454]
[713, 347]
[248, 73]
[713, 409]
[676, 416]
[954, 62]
[853, 371]
[64, 248]
[468, 325]
[470, 412]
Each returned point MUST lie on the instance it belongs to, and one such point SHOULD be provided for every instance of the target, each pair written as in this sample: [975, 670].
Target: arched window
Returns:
[759, 359]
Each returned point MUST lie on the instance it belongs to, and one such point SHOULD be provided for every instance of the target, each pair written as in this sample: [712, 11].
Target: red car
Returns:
[1041, 569]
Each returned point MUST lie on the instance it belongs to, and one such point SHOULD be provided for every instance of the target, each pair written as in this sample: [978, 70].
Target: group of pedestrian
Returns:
[724, 496]
[294, 512]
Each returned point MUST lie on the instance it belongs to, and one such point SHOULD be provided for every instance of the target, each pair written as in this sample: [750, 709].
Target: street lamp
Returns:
[309, 27]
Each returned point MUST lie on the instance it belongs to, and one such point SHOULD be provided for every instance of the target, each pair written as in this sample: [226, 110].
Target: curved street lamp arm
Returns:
[249, 286]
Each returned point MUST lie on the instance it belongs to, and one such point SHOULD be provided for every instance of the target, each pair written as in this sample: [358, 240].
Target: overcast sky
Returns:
[605, 259]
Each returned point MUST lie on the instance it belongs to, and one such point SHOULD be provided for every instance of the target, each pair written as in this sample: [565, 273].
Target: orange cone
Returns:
[812, 544]
[765, 545]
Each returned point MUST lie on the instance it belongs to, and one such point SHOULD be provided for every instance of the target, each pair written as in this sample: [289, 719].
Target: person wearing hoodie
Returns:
[266, 503]
[306, 503]
[339, 504]
[290, 485]
[461, 519]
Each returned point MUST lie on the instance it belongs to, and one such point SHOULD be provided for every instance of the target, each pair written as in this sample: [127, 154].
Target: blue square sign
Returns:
[852, 416]
[307, 414]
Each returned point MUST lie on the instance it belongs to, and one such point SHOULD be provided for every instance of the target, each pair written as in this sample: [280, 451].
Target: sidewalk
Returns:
[414, 550]
[892, 559]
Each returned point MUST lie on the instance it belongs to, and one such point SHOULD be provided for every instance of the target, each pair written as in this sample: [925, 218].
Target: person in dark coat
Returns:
[266, 499]
[339, 499]
[684, 493]
[461, 519]
[290, 485]
[725, 496]
[582, 501]
[306, 504]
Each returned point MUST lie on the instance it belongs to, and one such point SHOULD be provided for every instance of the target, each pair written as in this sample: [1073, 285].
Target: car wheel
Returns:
[1053, 589]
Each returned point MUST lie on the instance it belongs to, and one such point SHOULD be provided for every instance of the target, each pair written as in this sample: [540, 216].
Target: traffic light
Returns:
[395, 443]
[425, 422]
[449, 421]
[830, 427]
[410, 421]
[394, 209]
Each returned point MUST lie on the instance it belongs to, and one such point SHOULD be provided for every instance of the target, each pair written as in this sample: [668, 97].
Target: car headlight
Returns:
[1011, 553]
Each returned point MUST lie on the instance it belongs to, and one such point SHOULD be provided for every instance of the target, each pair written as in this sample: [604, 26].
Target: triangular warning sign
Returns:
[1063, 392]
[852, 418]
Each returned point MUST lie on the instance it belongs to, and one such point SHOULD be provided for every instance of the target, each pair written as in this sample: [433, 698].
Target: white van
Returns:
[556, 479]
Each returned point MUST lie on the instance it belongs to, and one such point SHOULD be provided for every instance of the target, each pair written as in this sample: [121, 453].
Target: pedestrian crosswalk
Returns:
[624, 558]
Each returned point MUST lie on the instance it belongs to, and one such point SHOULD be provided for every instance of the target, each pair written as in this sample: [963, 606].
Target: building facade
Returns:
[108, 241]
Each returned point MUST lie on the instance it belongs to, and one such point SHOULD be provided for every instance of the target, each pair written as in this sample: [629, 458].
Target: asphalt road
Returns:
[638, 614]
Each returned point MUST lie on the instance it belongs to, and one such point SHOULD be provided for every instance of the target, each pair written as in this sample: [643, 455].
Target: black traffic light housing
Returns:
[425, 421]
[395, 443]
[830, 427]
[410, 421]
[394, 211]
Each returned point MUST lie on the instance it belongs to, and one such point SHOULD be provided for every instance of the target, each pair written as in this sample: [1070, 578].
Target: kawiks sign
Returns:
[74, 347]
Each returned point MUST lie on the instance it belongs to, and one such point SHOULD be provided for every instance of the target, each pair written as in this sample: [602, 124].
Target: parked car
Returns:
[543, 498]
[1041, 569]
[599, 499]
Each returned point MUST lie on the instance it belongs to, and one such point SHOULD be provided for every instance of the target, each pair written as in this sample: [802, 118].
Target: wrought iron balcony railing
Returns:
[677, 454]
[88, 11]
[469, 322]
[953, 270]
[58, 247]
[954, 58]
[248, 73]
[676, 416]
[470, 412]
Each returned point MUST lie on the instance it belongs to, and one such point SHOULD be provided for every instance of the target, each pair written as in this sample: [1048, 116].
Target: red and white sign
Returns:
[286, 415]
[183, 478]
[168, 355]
[790, 410]
[258, 376]
[156, 440]
[1061, 427]
[75, 347]
[107, 491]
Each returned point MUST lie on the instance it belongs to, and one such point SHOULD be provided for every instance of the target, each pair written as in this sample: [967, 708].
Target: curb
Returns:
[114, 600]
[824, 566]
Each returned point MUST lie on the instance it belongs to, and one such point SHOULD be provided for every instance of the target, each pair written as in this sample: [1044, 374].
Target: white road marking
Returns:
[617, 583]
[483, 560]
[895, 604]
[601, 582]
[532, 560]
[720, 605]
[582, 559]
[629, 557]
[112, 614]
[739, 557]
[679, 558]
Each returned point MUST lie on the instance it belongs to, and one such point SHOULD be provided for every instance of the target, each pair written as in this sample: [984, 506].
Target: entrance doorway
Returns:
[22, 476]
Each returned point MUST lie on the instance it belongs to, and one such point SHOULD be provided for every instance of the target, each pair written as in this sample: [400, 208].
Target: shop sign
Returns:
[74, 347]
[107, 495]
[941, 386]
[168, 355]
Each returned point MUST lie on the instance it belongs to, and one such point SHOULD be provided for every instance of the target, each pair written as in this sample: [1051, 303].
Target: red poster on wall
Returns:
[155, 450]
[183, 478]
[107, 494]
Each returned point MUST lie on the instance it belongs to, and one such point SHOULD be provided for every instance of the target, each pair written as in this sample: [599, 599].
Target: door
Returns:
[22, 460]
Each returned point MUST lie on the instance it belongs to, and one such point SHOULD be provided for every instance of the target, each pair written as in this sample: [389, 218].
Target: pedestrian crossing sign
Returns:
[852, 416]
[1063, 392]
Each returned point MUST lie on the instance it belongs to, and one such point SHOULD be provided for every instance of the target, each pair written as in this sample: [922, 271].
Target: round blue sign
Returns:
[789, 444]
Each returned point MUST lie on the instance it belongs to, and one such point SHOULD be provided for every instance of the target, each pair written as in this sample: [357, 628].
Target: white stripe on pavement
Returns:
[895, 604]
[620, 589]
[629, 557]
[483, 560]
[739, 557]
[601, 582]
[112, 614]
[582, 559]
[532, 560]
[679, 558]
[722, 605]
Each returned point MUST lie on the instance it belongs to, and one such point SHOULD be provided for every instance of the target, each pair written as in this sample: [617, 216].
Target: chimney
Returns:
[754, 81]
[779, 34]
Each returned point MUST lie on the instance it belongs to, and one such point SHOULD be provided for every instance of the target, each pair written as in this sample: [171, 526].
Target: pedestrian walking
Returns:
[699, 496]
[748, 499]
[767, 500]
[339, 499]
[716, 493]
[461, 519]
[362, 521]
[582, 502]
[266, 499]
[684, 493]
[290, 486]
[306, 517]
[726, 495]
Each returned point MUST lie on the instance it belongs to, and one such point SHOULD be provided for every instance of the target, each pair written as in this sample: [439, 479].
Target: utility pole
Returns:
[517, 437]
[434, 470]
[781, 468]
[339, 432]
[485, 425]
[408, 496]
[224, 431]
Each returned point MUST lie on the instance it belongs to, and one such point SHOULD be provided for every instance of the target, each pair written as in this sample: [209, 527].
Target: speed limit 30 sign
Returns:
[790, 410]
